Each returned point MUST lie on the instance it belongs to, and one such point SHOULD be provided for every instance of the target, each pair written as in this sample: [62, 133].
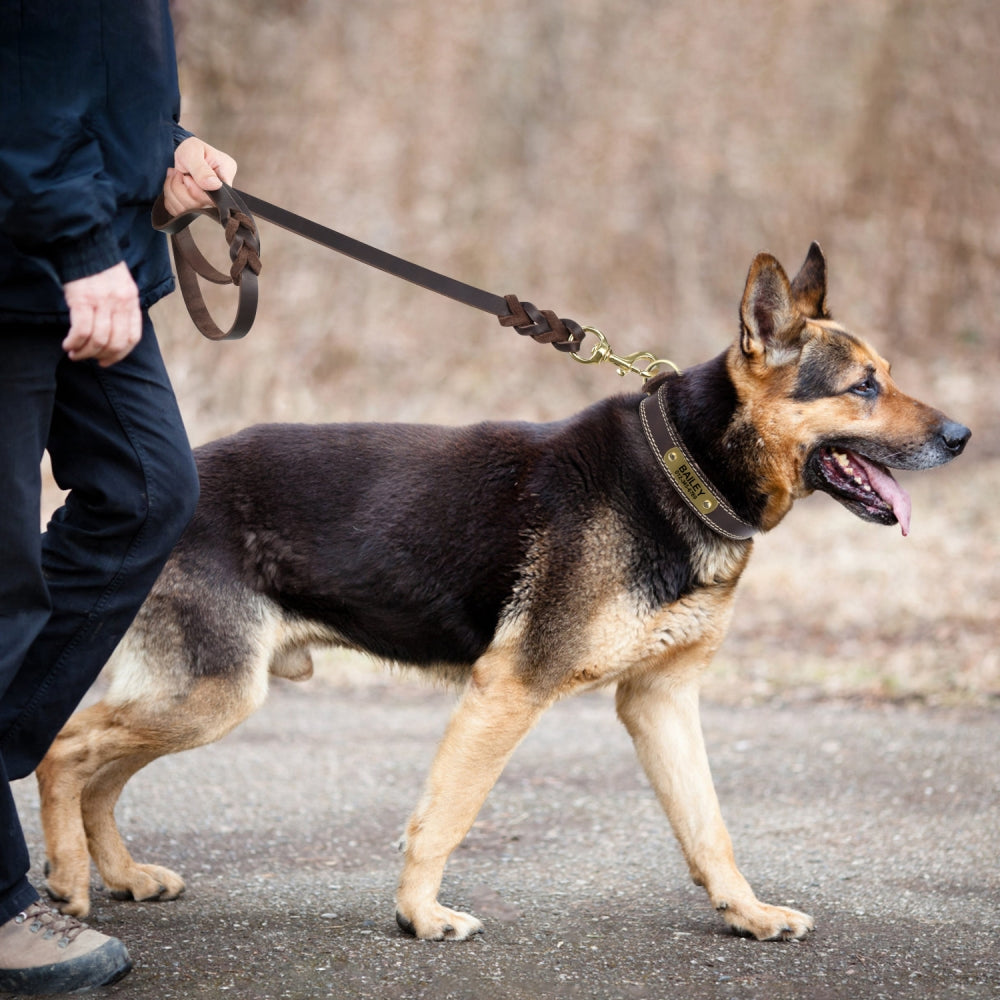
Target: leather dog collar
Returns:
[683, 473]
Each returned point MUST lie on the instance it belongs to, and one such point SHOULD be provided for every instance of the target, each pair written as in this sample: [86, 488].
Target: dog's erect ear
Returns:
[770, 322]
[809, 285]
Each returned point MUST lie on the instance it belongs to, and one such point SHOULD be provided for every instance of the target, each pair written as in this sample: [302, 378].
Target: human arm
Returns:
[90, 125]
[105, 321]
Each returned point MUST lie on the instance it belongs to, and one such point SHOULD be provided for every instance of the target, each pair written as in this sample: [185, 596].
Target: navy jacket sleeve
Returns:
[57, 201]
[89, 107]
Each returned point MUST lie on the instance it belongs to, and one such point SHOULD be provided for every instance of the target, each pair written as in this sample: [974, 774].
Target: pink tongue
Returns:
[888, 489]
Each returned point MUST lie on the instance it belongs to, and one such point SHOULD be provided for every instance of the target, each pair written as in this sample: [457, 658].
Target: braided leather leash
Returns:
[235, 210]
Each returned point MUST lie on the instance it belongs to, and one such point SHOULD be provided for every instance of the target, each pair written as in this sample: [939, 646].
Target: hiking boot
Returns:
[44, 951]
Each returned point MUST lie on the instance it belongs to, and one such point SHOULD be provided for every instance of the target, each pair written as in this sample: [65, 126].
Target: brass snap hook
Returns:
[624, 363]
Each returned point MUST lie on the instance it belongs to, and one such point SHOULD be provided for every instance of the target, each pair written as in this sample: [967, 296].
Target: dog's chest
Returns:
[621, 639]
[622, 631]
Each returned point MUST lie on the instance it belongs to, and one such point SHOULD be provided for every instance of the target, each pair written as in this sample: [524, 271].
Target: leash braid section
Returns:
[542, 325]
[243, 253]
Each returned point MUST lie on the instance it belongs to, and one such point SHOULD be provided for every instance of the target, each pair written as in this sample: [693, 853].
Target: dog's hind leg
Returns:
[87, 767]
[79, 782]
[660, 712]
[495, 713]
[91, 741]
[62, 775]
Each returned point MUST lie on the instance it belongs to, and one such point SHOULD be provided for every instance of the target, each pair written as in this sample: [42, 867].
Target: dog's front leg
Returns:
[661, 715]
[495, 713]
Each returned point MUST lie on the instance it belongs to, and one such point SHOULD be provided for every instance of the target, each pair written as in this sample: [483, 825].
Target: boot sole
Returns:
[101, 967]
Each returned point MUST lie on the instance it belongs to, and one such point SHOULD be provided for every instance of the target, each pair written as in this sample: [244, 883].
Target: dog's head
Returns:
[827, 414]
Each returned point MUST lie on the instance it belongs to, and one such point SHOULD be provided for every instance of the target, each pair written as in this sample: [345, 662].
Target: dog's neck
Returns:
[684, 418]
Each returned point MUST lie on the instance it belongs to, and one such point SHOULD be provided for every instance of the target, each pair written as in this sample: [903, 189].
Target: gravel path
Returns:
[884, 823]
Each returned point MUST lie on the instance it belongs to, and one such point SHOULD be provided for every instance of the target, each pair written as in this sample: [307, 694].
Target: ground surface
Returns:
[883, 822]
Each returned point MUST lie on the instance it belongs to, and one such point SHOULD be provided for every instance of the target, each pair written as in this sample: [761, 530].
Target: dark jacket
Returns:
[89, 108]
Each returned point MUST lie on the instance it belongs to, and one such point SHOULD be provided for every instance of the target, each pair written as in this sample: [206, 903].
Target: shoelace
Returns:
[43, 917]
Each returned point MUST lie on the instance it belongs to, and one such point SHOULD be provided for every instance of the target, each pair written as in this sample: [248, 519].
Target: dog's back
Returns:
[381, 538]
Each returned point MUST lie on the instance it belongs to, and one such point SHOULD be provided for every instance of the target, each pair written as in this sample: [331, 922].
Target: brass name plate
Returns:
[689, 481]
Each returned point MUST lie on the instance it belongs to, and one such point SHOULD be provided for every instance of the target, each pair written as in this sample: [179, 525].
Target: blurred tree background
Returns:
[621, 161]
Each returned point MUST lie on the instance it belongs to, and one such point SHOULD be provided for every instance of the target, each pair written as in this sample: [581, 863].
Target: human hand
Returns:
[105, 321]
[197, 168]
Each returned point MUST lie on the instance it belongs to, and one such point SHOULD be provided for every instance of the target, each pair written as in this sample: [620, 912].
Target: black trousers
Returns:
[117, 443]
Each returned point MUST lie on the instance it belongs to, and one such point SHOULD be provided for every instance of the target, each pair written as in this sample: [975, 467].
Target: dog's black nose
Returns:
[954, 436]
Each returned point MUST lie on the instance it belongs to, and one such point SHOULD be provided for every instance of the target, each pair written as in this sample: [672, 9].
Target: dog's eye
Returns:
[867, 387]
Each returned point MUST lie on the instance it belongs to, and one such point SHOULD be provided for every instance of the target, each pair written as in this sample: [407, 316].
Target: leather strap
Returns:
[683, 473]
[244, 252]
[234, 209]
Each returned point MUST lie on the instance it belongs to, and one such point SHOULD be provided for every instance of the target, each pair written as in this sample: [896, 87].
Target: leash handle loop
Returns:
[244, 252]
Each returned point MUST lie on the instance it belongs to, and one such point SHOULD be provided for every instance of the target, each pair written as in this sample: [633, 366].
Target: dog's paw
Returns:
[70, 894]
[73, 905]
[78, 907]
[766, 923]
[146, 882]
[438, 923]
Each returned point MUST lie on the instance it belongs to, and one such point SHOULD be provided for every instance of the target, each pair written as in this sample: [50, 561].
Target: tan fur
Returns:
[495, 714]
[660, 711]
[81, 778]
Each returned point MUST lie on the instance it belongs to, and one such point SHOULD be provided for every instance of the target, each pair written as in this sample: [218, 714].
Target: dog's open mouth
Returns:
[862, 485]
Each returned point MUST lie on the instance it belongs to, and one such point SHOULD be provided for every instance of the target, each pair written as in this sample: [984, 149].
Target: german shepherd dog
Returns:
[528, 561]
